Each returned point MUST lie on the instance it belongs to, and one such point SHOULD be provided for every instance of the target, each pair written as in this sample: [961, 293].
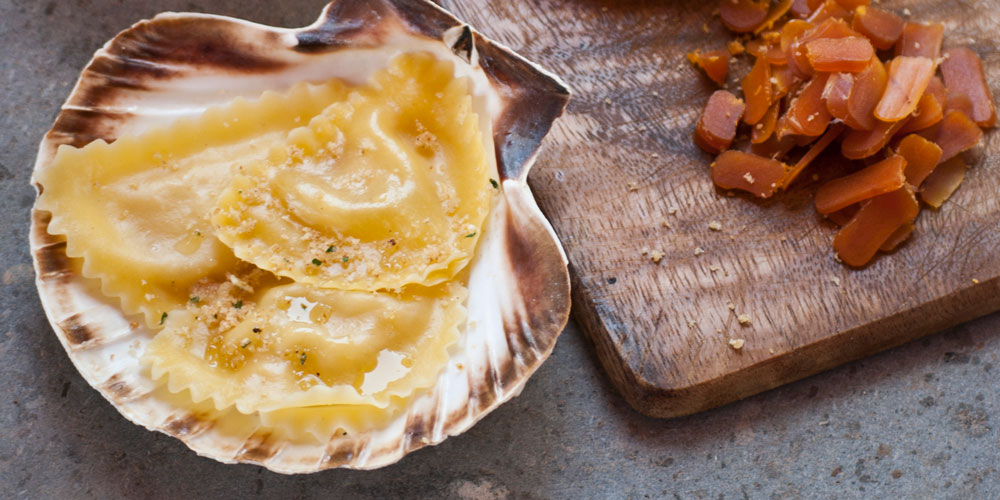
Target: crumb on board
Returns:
[730, 305]
[666, 225]
[744, 319]
[692, 323]
[713, 268]
[698, 251]
[715, 225]
[633, 186]
[607, 101]
[737, 344]
[975, 281]
[835, 280]
[718, 330]
[655, 155]
[656, 256]
[672, 210]
[645, 250]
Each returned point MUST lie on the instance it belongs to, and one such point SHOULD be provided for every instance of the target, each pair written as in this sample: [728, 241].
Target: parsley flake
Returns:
[345, 259]
[195, 299]
[470, 235]
[302, 359]
[331, 249]
[317, 262]
[496, 185]
[163, 318]
[238, 304]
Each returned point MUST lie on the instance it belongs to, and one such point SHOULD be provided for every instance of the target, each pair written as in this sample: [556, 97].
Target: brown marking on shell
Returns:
[79, 127]
[52, 261]
[117, 389]
[341, 450]
[77, 332]
[187, 424]
[258, 447]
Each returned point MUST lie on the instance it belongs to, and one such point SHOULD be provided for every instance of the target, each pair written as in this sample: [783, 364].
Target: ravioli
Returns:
[386, 188]
[300, 346]
[137, 210]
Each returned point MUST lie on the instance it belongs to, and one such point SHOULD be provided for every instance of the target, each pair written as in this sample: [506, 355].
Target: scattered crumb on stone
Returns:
[744, 319]
[715, 225]
[896, 474]
[737, 344]
[836, 470]
[656, 255]
[698, 251]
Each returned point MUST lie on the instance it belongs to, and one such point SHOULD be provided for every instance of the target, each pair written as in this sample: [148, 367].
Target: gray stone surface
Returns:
[917, 422]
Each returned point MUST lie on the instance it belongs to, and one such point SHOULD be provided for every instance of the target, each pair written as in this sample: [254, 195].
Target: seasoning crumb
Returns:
[906, 12]
[744, 319]
[715, 225]
[655, 155]
[645, 250]
[737, 344]
[607, 101]
[692, 323]
[975, 281]
[656, 256]
[835, 280]
[672, 210]
[718, 330]
[749, 178]
[633, 186]
[666, 224]
[713, 268]
[730, 305]
[698, 251]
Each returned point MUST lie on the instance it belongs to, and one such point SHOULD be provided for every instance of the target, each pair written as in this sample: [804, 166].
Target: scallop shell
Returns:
[178, 64]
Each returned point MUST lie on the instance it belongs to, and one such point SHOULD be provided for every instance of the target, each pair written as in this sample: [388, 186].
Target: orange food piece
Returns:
[804, 8]
[717, 125]
[908, 79]
[829, 28]
[792, 31]
[921, 158]
[754, 174]
[836, 93]
[920, 40]
[928, 113]
[785, 82]
[811, 155]
[898, 237]
[850, 54]
[882, 27]
[829, 9]
[958, 101]
[842, 217]
[743, 16]
[858, 144]
[775, 55]
[876, 221]
[943, 182]
[778, 9]
[715, 64]
[763, 130]
[869, 182]
[957, 134]
[869, 85]
[807, 113]
[963, 72]
[757, 89]
[935, 87]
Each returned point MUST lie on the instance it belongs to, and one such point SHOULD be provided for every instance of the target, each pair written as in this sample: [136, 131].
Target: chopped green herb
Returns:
[345, 259]
[195, 299]
[470, 235]
[302, 359]
[331, 249]
[238, 304]
[245, 344]
[496, 185]
[163, 318]
[317, 262]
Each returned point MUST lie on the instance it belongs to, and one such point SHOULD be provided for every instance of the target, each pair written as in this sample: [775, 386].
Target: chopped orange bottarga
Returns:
[842, 217]
[922, 156]
[963, 72]
[869, 182]
[882, 27]
[958, 101]
[798, 60]
[851, 54]
[836, 93]
[804, 8]
[785, 82]
[715, 64]
[743, 16]
[754, 174]
[757, 89]
[717, 126]
[807, 114]
[869, 85]
[792, 31]
[829, 9]
[898, 237]
[778, 9]
[858, 144]
[957, 134]
[814, 151]
[920, 40]
[775, 56]
[943, 182]
[773, 147]
[908, 79]
[876, 221]
[763, 130]
[928, 113]
[935, 87]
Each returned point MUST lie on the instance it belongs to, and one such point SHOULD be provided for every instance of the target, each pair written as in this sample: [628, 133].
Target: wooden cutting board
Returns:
[620, 164]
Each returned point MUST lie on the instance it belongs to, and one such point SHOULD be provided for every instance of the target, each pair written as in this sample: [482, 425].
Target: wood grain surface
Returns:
[622, 160]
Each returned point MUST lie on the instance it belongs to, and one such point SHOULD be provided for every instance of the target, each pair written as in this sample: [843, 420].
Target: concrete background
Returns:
[919, 421]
